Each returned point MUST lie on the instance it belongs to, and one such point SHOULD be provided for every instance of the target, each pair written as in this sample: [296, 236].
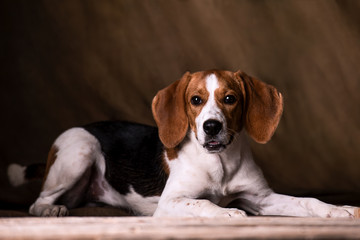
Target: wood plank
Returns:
[178, 228]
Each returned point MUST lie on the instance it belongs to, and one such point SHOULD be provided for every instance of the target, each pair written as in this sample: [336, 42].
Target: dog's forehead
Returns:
[222, 79]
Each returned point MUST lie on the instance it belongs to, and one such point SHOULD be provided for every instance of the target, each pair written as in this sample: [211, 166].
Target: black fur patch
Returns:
[134, 156]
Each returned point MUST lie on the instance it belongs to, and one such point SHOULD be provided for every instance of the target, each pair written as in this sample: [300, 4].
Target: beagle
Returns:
[196, 163]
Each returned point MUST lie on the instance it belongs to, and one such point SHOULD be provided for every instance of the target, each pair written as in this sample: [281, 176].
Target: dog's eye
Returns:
[196, 100]
[229, 99]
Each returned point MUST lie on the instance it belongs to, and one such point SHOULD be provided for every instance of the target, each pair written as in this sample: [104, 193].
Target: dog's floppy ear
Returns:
[168, 107]
[263, 108]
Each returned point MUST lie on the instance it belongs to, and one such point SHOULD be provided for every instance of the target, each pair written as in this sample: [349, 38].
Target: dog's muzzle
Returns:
[213, 142]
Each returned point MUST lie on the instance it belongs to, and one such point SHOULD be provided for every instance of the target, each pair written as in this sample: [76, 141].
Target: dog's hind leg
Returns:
[68, 171]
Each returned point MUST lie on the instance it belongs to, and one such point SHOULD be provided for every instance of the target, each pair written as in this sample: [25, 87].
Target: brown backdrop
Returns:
[67, 63]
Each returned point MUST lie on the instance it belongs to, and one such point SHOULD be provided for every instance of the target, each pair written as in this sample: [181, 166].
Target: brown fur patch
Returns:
[228, 85]
[196, 87]
[168, 109]
[264, 106]
[172, 153]
[50, 161]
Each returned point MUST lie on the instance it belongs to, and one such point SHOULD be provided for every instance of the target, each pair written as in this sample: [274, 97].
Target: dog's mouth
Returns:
[213, 146]
[216, 146]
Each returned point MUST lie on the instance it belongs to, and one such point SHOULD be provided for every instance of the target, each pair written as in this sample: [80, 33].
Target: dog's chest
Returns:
[209, 175]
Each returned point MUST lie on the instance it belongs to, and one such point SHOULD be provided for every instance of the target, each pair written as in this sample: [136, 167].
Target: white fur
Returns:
[75, 154]
[77, 151]
[140, 204]
[16, 174]
[193, 178]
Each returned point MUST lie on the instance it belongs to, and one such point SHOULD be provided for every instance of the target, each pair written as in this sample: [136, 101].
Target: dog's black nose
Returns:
[212, 127]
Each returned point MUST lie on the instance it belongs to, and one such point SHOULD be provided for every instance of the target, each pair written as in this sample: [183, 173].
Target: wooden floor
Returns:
[178, 228]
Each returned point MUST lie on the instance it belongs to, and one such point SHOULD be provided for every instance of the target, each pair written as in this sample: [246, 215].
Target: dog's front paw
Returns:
[343, 212]
[48, 210]
[55, 211]
[231, 213]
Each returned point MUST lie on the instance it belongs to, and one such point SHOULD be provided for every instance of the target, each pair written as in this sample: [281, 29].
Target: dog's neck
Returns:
[232, 152]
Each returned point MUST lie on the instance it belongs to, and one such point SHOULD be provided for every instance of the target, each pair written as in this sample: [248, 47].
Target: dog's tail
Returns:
[19, 175]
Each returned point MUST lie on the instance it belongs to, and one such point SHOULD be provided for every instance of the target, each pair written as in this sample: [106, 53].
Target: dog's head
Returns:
[216, 105]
